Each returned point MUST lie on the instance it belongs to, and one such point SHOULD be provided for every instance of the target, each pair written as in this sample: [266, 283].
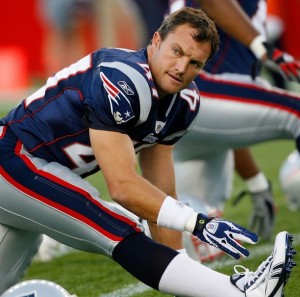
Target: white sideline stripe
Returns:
[132, 289]
[128, 290]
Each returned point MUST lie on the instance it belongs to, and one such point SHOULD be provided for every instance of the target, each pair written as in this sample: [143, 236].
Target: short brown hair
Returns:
[196, 18]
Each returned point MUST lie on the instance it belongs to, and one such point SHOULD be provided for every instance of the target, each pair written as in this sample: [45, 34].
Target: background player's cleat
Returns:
[272, 275]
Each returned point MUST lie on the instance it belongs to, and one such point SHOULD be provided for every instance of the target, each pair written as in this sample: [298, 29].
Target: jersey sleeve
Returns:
[174, 138]
[185, 113]
[114, 103]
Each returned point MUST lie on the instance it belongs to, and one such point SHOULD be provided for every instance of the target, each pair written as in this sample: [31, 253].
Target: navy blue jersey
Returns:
[111, 89]
[231, 52]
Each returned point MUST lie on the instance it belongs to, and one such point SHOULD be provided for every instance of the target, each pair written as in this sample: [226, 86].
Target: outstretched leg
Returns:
[168, 271]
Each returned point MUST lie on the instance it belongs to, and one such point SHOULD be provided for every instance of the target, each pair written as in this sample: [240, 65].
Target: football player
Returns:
[98, 113]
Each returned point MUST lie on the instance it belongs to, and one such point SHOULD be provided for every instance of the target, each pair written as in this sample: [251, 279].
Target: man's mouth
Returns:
[175, 77]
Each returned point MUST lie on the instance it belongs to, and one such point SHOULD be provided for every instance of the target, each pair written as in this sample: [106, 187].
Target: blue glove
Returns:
[224, 235]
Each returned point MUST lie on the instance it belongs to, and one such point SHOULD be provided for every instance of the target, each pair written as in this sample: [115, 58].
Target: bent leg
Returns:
[17, 249]
[48, 198]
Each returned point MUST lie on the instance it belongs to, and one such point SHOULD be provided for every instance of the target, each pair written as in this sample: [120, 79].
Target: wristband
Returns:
[182, 251]
[257, 47]
[257, 183]
[173, 214]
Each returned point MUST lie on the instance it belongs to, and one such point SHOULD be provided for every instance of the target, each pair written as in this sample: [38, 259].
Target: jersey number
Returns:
[82, 157]
[191, 97]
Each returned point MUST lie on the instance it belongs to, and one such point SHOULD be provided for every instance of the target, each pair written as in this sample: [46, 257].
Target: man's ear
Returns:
[156, 40]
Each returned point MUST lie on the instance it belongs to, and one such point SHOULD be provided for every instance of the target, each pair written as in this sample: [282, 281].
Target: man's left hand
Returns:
[224, 235]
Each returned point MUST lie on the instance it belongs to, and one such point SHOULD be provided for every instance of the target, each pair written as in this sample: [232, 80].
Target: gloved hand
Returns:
[275, 59]
[262, 217]
[282, 62]
[224, 235]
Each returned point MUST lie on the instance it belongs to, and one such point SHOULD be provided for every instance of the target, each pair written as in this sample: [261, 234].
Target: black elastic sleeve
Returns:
[144, 258]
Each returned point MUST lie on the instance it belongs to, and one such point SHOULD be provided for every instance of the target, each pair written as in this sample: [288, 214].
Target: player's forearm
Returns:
[143, 199]
[116, 157]
[170, 238]
[137, 195]
[155, 162]
[157, 166]
[230, 17]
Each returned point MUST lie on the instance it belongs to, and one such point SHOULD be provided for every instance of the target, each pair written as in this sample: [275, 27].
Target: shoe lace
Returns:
[251, 276]
[245, 271]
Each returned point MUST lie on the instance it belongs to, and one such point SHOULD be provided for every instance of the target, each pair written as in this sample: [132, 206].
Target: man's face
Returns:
[175, 61]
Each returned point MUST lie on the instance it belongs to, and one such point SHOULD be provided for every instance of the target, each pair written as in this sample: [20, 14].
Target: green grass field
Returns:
[91, 275]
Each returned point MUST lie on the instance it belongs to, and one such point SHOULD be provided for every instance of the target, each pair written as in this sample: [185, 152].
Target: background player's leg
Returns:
[209, 180]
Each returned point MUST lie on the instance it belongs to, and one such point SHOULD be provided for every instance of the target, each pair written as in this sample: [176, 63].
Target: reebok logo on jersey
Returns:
[125, 87]
[120, 105]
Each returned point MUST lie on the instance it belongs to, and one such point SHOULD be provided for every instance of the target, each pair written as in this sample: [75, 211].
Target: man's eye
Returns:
[176, 51]
[197, 64]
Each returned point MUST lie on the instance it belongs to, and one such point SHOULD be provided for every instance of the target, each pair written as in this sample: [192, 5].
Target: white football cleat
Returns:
[271, 276]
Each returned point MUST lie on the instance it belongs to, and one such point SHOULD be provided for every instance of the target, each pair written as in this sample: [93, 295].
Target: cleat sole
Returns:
[288, 265]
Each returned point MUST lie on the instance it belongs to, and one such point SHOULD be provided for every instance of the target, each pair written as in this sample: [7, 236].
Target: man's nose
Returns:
[182, 65]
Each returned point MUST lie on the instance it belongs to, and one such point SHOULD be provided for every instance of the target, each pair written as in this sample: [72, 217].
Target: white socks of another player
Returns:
[186, 277]
[257, 183]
